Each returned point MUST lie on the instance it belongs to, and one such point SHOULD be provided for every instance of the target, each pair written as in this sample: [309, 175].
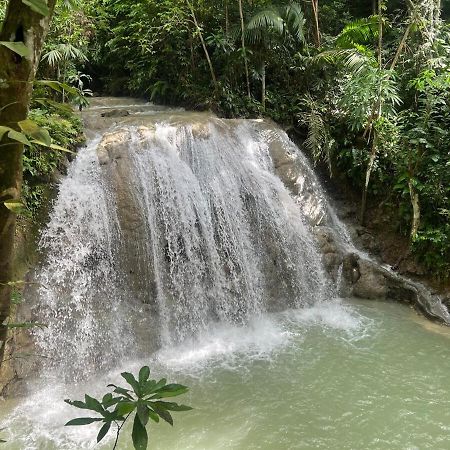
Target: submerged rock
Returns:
[116, 113]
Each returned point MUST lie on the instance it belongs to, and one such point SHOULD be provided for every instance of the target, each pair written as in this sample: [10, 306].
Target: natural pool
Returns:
[343, 375]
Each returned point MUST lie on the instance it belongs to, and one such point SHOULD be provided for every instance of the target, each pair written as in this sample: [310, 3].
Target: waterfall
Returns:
[161, 228]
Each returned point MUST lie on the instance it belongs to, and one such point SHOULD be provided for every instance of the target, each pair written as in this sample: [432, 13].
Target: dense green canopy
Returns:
[365, 84]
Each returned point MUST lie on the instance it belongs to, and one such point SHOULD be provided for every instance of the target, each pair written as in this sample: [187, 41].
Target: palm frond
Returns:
[295, 21]
[69, 51]
[53, 57]
[360, 31]
[350, 59]
[266, 20]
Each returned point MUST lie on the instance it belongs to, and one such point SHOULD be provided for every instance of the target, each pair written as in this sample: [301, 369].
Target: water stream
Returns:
[173, 243]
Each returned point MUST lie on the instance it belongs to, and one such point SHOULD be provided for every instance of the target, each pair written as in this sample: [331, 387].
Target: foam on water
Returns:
[38, 421]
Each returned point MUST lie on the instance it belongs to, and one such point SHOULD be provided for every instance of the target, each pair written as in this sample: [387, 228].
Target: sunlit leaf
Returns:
[16, 206]
[17, 47]
[19, 137]
[39, 6]
[32, 129]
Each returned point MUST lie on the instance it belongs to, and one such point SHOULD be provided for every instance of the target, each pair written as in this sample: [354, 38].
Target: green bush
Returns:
[40, 163]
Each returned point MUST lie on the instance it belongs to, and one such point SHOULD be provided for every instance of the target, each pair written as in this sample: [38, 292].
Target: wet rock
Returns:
[371, 282]
[325, 239]
[116, 113]
[350, 268]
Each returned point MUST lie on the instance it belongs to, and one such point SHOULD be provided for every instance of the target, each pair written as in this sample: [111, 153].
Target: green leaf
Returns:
[121, 391]
[151, 387]
[82, 421]
[77, 403]
[125, 408]
[47, 102]
[54, 85]
[139, 435]
[19, 137]
[4, 130]
[165, 415]
[172, 406]
[144, 373]
[16, 206]
[62, 149]
[39, 6]
[93, 404]
[131, 381]
[17, 47]
[32, 129]
[171, 390]
[103, 431]
[143, 413]
[153, 415]
[107, 398]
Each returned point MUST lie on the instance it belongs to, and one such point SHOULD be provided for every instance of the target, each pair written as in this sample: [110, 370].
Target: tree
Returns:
[273, 26]
[244, 52]
[200, 34]
[315, 8]
[21, 37]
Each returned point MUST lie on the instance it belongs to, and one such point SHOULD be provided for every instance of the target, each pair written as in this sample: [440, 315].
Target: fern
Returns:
[319, 141]
[359, 32]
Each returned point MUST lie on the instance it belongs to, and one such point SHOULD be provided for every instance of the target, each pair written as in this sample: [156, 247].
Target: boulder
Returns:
[116, 113]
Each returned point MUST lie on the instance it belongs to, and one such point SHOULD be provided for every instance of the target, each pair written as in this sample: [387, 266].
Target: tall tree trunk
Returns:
[374, 118]
[416, 209]
[373, 155]
[401, 46]
[315, 8]
[17, 73]
[227, 19]
[205, 49]
[380, 34]
[263, 86]
[247, 78]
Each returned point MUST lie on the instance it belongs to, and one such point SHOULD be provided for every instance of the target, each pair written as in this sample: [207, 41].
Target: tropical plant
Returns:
[270, 29]
[143, 399]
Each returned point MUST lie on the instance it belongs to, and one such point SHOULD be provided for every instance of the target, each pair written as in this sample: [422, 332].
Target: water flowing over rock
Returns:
[168, 221]
[163, 226]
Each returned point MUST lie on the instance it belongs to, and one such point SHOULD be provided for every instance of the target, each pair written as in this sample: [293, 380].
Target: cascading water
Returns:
[173, 242]
[186, 221]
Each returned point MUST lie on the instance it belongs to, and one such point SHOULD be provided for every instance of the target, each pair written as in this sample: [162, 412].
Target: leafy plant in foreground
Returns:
[144, 399]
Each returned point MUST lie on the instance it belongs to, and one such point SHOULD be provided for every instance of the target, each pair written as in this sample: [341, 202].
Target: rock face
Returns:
[114, 158]
[357, 273]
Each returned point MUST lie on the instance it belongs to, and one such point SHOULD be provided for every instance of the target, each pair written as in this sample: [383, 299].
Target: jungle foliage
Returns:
[365, 83]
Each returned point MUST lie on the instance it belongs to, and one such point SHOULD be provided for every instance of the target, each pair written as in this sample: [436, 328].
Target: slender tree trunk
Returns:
[416, 209]
[205, 49]
[373, 155]
[315, 8]
[247, 78]
[263, 86]
[376, 116]
[380, 34]
[17, 73]
[401, 46]
[227, 19]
